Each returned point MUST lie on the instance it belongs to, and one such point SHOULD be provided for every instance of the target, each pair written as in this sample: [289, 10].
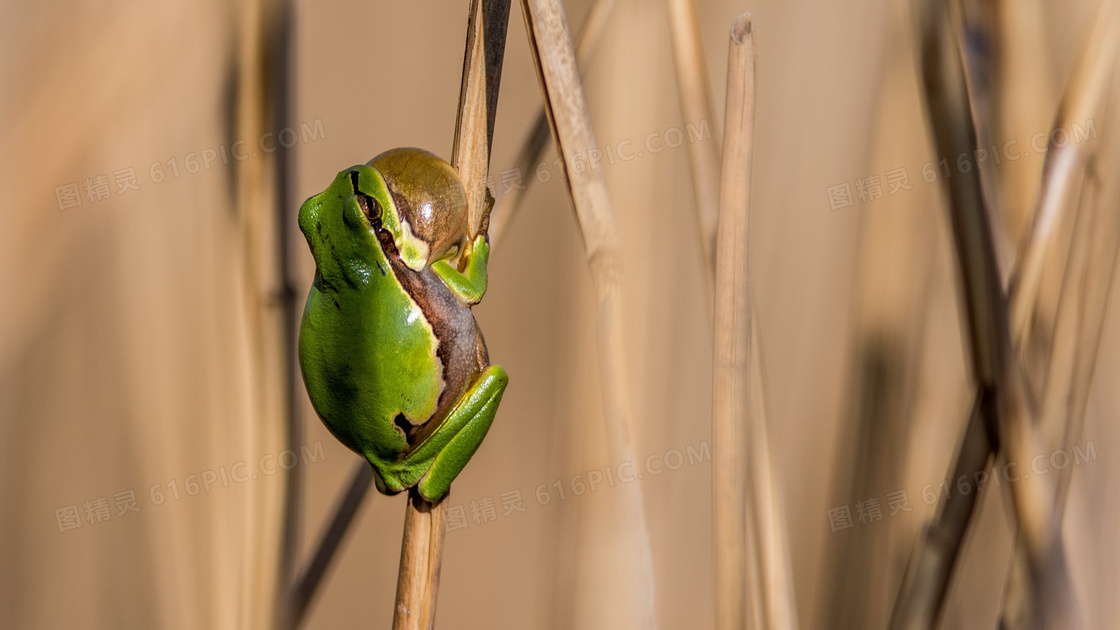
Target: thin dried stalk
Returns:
[947, 102]
[1066, 383]
[421, 556]
[269, 529]
[779, 601]
[422, 547]
[1021, 77]
[282, 96]
[1064, 167]
[696, 106]
[478, 101]
[1087, 305]
[927, 577]
[1079, 323]
[309, 579]
[731, 525]
[989, 335]
[979, 22]
[767, 553]
[769, 575]
[537, 139]
[346, 509]
[921, 596]
[568, 113]
[895, 264]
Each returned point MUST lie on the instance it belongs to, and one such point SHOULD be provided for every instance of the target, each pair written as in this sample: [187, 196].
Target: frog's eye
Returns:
[371, 208]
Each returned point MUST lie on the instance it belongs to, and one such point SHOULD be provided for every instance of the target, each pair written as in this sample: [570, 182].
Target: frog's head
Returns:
[409, 193]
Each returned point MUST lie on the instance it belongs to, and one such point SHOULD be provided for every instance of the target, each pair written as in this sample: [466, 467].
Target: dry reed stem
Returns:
[769, 574]
[733, 531]
[422, 546]
[1063, 168]
[979, 21]
[307, 583]
[1087, 308]
[345, 511]
[993, 362]
[779, 599]
[537, 139]
[478, 101]
[568, 113]
[947, 102]
[922, 594]
[1062, 400]
[421, 556]
[281, 75]
[265, 531]
[1079, 323]
[696, 106]
[1022, 83]
[767, 552]
[1067, 384]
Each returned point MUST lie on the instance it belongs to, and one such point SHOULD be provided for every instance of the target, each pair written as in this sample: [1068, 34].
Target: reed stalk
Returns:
[732, 537]
[696, 106]
[421, 558]
[538, 137]
[422, 545]
[566, 105]
[754, 584]
[921, 597]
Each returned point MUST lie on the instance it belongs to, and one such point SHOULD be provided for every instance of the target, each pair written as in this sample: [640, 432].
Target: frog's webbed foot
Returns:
[470, 283]
[435, 463]
[451, 446]
[468, 280]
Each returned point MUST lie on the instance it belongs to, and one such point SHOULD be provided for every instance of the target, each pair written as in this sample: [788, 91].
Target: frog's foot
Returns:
[451, 446]
[470, 284]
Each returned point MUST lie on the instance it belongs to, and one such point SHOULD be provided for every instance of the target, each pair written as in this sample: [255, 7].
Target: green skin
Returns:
[391, 357]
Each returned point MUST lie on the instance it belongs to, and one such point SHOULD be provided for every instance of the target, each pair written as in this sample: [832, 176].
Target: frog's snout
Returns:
[309, 218]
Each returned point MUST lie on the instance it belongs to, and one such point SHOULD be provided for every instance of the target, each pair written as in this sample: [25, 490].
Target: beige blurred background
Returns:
[141, 332]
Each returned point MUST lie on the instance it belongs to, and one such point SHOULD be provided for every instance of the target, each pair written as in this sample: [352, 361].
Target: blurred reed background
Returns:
[142, 332]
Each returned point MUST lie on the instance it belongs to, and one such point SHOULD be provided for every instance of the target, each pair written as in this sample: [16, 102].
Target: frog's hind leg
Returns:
[462, 432]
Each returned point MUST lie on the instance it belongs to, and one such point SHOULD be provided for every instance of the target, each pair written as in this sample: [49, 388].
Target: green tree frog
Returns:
[393, 361]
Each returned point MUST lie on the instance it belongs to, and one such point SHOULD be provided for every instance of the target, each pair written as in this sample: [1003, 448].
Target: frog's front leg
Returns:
[451, 445]
[470, 283]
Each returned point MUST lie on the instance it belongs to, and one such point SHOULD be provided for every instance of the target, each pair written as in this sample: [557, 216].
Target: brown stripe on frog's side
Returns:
[460, 347]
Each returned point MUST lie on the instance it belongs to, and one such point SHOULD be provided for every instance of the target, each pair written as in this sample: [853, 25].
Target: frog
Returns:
[392, 359]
